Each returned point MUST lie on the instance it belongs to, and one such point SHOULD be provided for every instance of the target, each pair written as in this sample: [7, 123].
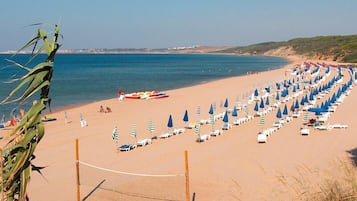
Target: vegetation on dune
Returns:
[18, 153]
[336, 48]
[337, 184]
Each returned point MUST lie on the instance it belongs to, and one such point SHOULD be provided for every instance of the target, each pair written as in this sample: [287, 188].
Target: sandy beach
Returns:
[232, 166]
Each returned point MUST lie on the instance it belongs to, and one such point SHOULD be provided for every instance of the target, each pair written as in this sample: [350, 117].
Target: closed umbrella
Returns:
[185, 117]
[225, 118]
[170, 124]
[261, 103]
[285, 111]
[267, 101]
[211, 111]
[235, 112]
[226, 103]
[256, 93]
[256, 107]
[278, 114]
[115, 135]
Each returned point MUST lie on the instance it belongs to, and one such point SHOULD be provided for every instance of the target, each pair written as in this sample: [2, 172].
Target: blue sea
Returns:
[84, 78]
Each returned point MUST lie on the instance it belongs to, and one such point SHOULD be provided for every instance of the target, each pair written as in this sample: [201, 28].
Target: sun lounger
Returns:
[339, 126]
[144, 142]
[204, 121]
[323, 127]
[278, 124]
[178, 131]
[203, 138]
[216, 133]
[226, 126]
[191, 125]
[305, 131]
[262, 138]
[165, 135]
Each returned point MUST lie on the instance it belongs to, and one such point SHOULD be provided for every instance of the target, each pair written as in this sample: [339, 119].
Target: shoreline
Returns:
[289, 59]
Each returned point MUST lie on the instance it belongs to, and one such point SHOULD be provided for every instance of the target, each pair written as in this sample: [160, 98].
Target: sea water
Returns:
[84, 78]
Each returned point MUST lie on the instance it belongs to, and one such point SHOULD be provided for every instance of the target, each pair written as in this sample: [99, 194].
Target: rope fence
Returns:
[129, 173]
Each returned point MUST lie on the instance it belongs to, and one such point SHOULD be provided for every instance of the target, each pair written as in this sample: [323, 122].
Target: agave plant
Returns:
[17, 154]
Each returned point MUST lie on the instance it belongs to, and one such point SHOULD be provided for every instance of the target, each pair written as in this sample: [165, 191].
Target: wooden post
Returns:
[187, 177]
[77, 172]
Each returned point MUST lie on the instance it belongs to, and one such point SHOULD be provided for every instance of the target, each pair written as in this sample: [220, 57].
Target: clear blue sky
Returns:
[170, 23]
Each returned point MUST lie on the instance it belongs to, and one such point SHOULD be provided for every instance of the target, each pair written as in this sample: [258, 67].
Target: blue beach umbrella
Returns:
[302, 102]
[277, 97]
[185, 117]
[267, 101]
[235, 112]
[169, 122]
[211, 111]
[256, 93]
[278, 114]
[225, 118]
[261, 103]
[296, 106]
[256, 107]
[226, 103]
[285, 112]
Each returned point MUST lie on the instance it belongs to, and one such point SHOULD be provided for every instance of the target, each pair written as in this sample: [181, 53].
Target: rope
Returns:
[128, 173]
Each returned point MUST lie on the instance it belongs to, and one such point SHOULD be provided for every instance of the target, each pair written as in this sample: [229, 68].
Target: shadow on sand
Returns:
[353, 153]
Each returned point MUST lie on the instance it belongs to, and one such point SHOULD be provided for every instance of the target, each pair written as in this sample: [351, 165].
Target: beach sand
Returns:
[232, 166]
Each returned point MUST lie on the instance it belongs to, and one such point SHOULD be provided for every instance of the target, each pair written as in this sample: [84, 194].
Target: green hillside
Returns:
[336, 48]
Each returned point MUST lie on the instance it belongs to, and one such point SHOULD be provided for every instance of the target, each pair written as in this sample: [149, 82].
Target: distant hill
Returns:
[334, 48]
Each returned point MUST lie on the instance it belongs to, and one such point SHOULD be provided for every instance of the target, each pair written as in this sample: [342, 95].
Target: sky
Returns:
[173, 23]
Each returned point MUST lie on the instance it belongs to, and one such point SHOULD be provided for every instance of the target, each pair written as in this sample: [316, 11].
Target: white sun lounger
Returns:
[203, 138]
[216, 133]
[262, 138]
[305, 131]
[144, 142]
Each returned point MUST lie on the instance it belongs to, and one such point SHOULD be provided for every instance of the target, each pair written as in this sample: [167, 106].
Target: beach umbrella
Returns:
[151, 127]
[226, 103]
[198, 111]
[235, 112]
[277, 97]
[81, 117]
[225, 118]
[115, 135]
[185, 117]
[262, 120]
[65, 117]
[296, 106]
[211, 121]
[267, 101]
[133, 131]
[261, 103]
[256, 107]
[246, 110]
[302, 102]
[169, 122]
[256, 93]
[285, 111]
[278, 114]
[306, 116]
[211, 111]
[197, 129]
